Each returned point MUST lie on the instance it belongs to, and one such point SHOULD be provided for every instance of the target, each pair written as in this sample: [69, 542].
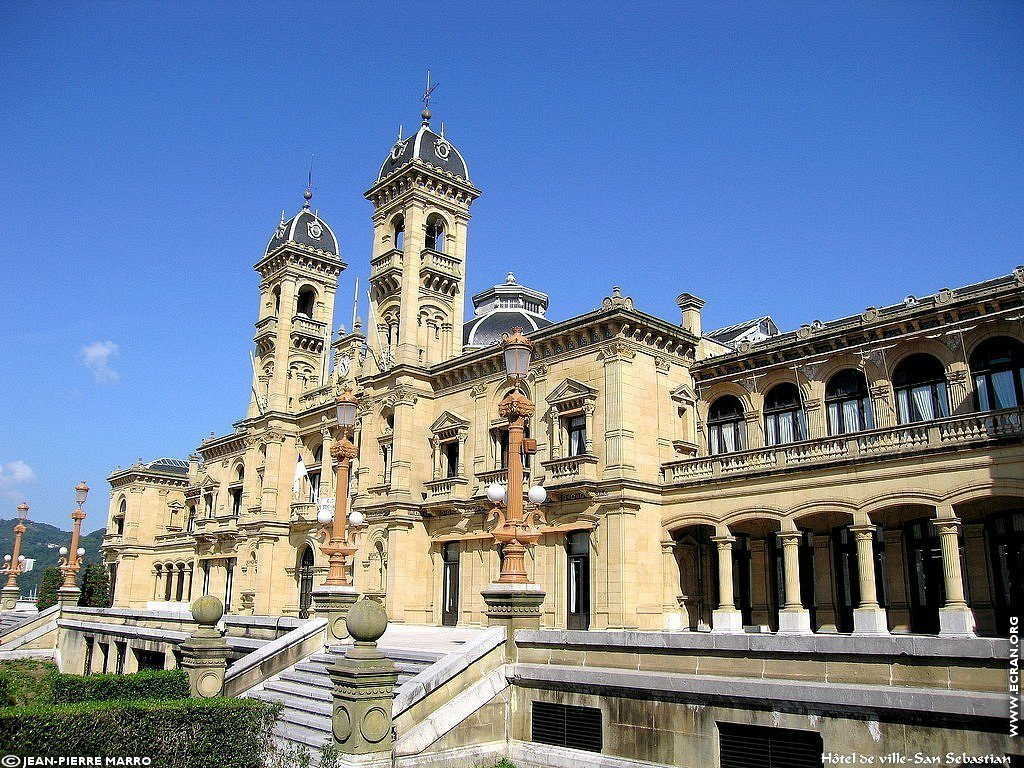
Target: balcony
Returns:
[500, 476]
[571, 469]
[303, 512]
[439, 272]
[386, 272]
[447, 488]
[958, 431]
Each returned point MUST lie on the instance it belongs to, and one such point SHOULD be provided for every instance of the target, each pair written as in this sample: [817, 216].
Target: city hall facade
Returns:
[859, 476]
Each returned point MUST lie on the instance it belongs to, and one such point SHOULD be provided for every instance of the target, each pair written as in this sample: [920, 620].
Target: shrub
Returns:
[95, 587]
[48, 588]
[6, 690]
[149, 684]
[190, 733]
[28, 681]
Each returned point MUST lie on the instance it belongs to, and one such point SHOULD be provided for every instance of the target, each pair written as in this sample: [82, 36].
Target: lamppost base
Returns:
[513, 606]
[9, 597]
[68, 597]
[333, 604]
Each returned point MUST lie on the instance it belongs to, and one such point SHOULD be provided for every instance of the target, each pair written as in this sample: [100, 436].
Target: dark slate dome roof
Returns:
[430, 148]
[305, 228]
[502, 308]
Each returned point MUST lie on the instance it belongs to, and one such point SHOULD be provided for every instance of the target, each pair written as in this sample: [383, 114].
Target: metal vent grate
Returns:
[566, 726]
[748, 746]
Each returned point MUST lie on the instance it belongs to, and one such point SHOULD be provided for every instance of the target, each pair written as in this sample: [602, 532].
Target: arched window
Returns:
[235, 490]
[398, 231]
[783, 415]
[306, 301]
[920, 384]
[998, 369]
[725, 426]
[435, 233]
[848, 403]
[277, 301]
[122, 510]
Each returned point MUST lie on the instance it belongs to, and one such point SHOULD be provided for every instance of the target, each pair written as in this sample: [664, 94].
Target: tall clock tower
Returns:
[298, 279]
[421, 203]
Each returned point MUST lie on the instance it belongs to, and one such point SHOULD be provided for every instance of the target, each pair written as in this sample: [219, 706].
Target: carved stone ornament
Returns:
[944, 296]
[617, 300]
[869, 315]
[516, 405]
[617, 350]
[315, 229]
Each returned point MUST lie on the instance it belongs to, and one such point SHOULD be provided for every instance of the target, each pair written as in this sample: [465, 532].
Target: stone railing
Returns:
[499, 476]
[305, 324]
[440, 262]
[387, 260]
[890, 441]
[571, 469]
[447, 488]
[266, 325]
[303, 512]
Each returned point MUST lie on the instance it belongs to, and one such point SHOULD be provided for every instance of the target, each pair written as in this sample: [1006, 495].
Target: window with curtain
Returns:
[783, 415]
[997, 366]
[725, 426]
[920, 384]
[576, 431]
[847, 403]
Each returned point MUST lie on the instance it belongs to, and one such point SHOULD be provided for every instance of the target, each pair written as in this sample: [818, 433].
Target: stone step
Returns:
[297, 734]
[308, 706]
[298, 690]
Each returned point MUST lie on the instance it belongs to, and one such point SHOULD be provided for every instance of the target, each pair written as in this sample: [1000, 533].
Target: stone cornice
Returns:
[309, 260]
[418, 175]
[142, 474]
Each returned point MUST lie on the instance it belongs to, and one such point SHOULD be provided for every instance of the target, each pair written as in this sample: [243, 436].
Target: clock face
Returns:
[344, 364]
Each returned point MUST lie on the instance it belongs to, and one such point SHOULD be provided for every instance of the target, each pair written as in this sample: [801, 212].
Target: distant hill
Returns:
[42, 542]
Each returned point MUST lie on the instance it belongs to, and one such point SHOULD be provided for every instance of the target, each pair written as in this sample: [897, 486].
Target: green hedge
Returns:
[6, 690]
[190, 733]
[148, 684]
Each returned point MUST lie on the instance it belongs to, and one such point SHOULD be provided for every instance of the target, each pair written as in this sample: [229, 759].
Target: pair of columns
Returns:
[869, 618]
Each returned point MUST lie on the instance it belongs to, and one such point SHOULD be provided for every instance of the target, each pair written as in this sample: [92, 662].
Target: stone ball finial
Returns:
[366, 621]
[207, 610]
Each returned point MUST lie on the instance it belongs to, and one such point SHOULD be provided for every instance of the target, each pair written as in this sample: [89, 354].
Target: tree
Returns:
[95, 587]
[51, 582]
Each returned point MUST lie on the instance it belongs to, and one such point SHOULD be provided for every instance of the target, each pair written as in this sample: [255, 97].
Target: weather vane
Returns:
[427, 93]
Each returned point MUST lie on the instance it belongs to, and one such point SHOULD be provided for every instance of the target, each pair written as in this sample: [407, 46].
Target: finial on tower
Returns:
[308, 194]
[426, 113]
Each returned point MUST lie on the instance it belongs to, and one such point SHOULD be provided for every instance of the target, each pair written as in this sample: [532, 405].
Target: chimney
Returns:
[690, 306]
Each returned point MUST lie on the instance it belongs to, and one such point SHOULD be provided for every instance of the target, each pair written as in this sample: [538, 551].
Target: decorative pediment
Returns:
[571, 394]
[683, 394]
[449, 422]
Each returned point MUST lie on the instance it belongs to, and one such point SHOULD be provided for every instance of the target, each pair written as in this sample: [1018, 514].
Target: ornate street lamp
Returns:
[338, 540]
[13, 563]
[71, 562]
[515, 529]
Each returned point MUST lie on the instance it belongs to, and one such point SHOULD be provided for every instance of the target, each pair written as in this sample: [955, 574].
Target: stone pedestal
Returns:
[364, 685]
[956, 622]
[9, 597]
[68, 597]
[870, 621]
[333, 604]
[727, 620]
[204, 655]
[794, 621]
[513, 606]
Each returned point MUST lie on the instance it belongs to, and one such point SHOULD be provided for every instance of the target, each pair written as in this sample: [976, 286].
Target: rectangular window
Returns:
[228, 583]
[385, 451]
[576, 430]
[451, 458]
[236, 501]
[314, 487]
[208, 504]
[774, 747]
[562, 725]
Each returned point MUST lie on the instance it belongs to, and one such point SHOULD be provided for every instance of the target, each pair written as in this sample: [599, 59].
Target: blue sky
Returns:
[802, 160]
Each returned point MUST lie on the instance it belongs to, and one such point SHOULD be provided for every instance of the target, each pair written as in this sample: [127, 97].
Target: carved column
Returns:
[725, 618]
[955, 617]
[868, 618]
[816, 426]
[328, 483]
[754, 432]
[588, 413]
[463, 437]
[793, 618]
[617, 356]
[958, 386]
[435, 452]
[673, 608]
[881, 406]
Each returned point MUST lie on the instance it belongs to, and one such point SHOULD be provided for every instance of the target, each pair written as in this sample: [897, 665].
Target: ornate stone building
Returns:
[859, 475]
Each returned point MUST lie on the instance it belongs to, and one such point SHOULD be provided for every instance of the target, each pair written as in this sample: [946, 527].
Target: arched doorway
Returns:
[305, 582]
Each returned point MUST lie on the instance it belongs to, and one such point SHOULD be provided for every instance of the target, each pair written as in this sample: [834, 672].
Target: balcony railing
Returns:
[890, 441]
[309, 326]
[440, 262]
[447, 488]
[303, 512]
[387, 260]
[499, 476]
[571, 469]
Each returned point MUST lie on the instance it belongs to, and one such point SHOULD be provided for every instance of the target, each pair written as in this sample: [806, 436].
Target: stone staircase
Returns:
[11, 619]
[304, 691]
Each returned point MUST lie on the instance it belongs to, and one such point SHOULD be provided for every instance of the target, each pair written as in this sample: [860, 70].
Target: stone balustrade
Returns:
[387, 260]
[571, 469]
[447, 488]
[891, 441]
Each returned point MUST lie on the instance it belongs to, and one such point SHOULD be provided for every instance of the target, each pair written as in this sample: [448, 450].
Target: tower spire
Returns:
[308, 194]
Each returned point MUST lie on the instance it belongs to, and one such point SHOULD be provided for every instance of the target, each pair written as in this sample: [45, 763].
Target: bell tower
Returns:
[421, 203]
[298, 279]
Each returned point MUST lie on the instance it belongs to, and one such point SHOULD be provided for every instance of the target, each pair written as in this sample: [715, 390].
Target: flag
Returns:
[300, 474]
